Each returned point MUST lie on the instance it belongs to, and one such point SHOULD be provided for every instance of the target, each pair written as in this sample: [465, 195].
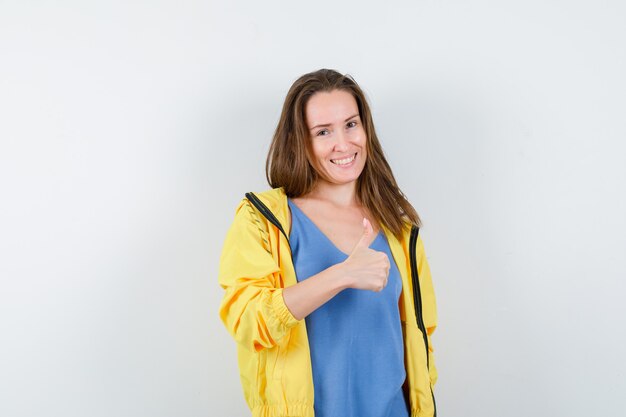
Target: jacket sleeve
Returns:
[428, 303]
[252, 309]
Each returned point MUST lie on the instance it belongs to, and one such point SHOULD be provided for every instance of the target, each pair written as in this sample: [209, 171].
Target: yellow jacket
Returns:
[272, 345]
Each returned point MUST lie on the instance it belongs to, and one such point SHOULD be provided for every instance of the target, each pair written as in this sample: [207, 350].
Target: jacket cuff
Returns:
[282, 312]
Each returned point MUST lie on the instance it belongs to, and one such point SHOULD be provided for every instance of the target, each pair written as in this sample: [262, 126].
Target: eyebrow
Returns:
[328, 124]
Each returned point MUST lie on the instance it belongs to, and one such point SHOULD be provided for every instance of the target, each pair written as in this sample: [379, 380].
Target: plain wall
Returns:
[130, 131]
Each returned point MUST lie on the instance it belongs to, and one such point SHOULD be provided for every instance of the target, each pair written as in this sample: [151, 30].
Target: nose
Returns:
[341, 142]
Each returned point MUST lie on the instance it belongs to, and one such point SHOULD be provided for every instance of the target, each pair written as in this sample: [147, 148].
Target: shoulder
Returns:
[273, 198]
[250, 226]
[254, 206]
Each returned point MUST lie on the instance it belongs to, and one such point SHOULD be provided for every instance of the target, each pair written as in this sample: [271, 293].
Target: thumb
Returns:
[367, 237]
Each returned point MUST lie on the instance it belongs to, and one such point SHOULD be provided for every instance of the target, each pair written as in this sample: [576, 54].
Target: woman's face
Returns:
[337, 135]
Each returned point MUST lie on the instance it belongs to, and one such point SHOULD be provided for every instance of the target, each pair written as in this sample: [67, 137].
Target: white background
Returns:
[130, 130]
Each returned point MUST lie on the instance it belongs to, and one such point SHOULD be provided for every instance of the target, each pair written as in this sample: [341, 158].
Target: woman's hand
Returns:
[366, 268]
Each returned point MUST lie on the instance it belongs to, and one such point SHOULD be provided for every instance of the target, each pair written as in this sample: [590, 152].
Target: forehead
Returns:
[330, 107]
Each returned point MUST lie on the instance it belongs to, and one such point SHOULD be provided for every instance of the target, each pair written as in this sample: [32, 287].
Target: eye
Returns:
[320, 133]
[352, 124]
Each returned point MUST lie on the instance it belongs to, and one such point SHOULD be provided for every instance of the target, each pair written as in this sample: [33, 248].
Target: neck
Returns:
[338, 194]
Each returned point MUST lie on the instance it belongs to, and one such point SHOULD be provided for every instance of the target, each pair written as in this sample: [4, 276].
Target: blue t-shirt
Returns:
[357, 350]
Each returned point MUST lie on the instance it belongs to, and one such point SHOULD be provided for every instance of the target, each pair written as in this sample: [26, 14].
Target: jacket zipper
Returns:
[417, 300]
[266, 212]
[417, 295]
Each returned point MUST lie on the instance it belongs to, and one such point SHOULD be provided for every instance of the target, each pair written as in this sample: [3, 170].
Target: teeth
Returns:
[343, 161]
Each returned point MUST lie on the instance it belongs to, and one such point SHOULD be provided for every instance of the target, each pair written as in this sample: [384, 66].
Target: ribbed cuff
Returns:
[282, 312]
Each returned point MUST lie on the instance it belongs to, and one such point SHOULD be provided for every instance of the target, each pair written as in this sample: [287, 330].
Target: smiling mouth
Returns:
[343, 161]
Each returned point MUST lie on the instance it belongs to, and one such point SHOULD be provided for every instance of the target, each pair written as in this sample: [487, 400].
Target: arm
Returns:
[255, 311]
[252, 308]
[306, 296]
[365, 269]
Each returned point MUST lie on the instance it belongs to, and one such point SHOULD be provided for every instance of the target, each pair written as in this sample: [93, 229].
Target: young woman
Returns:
[328, 291]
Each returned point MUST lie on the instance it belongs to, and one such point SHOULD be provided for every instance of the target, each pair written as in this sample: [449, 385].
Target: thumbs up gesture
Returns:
[368, 269]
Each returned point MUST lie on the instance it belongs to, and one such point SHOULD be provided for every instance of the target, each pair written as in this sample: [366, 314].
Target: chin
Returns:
[343, 179]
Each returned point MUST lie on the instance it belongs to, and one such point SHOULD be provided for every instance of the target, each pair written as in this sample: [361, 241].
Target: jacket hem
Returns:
[284, 410]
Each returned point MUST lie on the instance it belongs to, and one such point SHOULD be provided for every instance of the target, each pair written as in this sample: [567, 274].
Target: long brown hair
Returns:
[288, 161]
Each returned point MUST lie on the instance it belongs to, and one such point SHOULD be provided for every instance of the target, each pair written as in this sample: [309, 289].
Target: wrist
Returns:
[341, 277]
